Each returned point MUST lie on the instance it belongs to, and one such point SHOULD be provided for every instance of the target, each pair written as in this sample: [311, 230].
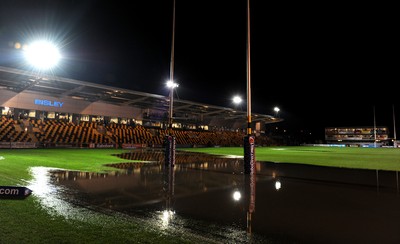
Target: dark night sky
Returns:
[324, 64]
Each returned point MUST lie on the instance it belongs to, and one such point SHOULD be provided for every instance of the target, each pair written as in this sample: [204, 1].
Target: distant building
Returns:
[360, 136]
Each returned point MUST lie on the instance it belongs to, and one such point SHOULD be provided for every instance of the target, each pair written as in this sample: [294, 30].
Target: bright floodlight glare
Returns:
[237, 99]
[42, 54]
[236, 195]
[276, 109]
[278, 185]
[172, 84]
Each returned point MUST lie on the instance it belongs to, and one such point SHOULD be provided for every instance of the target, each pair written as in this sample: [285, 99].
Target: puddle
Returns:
[209, 196]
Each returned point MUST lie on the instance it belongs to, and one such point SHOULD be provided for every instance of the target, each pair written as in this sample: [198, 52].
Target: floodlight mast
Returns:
[169, 137]
[171, 73]
[169, 160]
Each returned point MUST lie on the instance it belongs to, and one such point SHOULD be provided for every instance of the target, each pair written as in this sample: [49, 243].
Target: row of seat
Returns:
[83, 133]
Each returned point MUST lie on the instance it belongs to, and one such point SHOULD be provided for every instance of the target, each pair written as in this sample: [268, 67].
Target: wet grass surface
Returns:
[346, 157]
[33, 221]
[29, 221]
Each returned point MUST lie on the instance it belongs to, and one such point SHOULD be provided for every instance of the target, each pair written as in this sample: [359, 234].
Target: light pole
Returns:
[171, 84]
[169, 138]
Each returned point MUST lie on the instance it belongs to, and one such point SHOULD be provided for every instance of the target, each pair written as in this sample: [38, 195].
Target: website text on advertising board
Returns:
[7, 191]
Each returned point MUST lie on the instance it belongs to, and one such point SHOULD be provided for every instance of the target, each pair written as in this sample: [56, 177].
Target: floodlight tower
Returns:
[170, 138]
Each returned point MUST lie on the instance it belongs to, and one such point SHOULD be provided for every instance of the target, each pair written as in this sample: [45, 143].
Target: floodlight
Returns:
[42, 55]
[237, 99]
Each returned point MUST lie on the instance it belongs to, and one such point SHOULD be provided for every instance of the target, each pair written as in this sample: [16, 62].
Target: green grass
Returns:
[349, 157]
[25, 221]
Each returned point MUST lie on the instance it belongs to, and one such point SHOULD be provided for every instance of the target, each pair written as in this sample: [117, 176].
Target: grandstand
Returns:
[41, 110]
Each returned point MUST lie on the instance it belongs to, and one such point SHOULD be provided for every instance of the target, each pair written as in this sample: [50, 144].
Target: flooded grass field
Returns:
[210, 196]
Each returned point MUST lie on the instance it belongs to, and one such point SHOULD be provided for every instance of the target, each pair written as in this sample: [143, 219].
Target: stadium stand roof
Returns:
[18, 81]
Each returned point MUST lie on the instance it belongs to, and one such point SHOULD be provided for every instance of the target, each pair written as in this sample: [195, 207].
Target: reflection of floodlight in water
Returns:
[278, 185]
[236, 195]
[166, 217]
[42, 55]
